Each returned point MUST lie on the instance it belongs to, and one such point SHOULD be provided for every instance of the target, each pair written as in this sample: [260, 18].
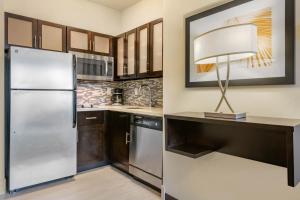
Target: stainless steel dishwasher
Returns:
[145, 152]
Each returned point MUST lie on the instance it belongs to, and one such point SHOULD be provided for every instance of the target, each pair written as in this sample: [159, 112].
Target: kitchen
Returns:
[98, 104]
[149, 99]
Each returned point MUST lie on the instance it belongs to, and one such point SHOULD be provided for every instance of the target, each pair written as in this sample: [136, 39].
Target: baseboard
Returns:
[169, 197]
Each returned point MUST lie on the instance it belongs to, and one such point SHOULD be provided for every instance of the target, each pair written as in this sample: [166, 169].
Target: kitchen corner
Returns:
[120, 123]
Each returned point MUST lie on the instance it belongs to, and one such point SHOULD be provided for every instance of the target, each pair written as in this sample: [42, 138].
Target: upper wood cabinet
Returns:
[33, 33]
[89, 42]
[78, 40]
[140, 52]
[126, 55]
[102, 44]
[121, 56]
[156, 47]
[20, 31]
[143, 51]
[130, 68]
[51, 36]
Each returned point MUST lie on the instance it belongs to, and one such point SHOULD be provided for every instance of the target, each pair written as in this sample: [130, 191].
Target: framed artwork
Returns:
[274, 63]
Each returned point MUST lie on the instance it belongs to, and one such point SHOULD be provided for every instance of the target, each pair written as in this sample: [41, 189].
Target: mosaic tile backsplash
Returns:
[100, 93]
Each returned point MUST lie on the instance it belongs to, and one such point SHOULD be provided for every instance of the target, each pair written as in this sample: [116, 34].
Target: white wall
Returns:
[77, 13]
[219, 176]
[141, 13]
[2, 181]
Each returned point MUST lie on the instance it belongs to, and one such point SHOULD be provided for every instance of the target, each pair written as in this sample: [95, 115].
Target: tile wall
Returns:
[99, 93]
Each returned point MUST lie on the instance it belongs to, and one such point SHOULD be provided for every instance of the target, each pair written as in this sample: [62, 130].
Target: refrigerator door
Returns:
[42, 138]
[41, 69]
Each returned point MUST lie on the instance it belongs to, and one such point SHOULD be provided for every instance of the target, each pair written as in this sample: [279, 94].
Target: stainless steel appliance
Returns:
[40, 117]
[145, 150]
[94, 67]
[117, 97]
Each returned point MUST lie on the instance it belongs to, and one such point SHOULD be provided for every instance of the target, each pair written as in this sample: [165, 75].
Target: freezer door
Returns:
[42, 138]
[41, 69]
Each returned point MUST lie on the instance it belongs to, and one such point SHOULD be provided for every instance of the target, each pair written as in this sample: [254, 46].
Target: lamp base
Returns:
[225, 115]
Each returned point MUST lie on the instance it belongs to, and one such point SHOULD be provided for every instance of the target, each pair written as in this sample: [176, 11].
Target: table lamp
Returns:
[224, 45]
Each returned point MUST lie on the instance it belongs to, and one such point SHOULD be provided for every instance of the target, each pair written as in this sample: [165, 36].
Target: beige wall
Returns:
[219, 176]
[141, 13]
[2, 181]
[77, 13]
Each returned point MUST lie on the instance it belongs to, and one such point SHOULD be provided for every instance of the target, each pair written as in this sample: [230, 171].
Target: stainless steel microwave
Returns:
[94, 67]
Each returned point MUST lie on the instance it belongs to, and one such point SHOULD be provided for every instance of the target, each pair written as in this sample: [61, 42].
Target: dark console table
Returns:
[270, 140]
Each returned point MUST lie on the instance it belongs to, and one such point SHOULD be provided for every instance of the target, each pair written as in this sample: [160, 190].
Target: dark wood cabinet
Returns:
[140, 52]
[85, 41]
[78, 40]
[51, 36]
[20, 31]
[121, 57]
[156, 48]
[34, 33]
[126, 55]
[119, 140]
[143, 51]
[102, 44]
[92, 146]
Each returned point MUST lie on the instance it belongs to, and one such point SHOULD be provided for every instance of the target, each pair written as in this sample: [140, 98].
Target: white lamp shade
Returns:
[237, 42]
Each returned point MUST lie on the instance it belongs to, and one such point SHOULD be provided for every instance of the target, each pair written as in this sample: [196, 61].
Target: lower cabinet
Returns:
[119, 129]
[92, 146]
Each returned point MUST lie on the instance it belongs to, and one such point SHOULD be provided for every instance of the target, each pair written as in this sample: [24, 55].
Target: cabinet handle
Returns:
[35, 45]
[40, 42]
[90, 118]
[128, 140]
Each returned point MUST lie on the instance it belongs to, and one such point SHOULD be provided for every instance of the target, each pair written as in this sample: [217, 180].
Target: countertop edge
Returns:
[156, 112]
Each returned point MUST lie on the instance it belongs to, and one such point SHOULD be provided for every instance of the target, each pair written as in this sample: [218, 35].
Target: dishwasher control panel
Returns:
[147, 122]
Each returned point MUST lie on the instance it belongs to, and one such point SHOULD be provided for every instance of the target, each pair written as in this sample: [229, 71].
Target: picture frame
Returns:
[277, 71]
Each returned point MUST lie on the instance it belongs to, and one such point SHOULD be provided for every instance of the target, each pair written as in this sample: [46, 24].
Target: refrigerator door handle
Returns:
[74, 109]
[74, 72]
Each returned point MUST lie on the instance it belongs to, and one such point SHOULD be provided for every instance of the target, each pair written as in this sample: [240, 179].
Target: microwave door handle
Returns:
[106, 68]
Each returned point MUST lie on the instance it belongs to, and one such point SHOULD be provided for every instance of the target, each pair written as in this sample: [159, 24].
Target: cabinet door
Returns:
[156, 54]
[52, 36]
[130, 67]
[20, 31]
[120, 129]
[102, 44]
[78, 40]
[120, 56]
[143, 51]
[92, 142]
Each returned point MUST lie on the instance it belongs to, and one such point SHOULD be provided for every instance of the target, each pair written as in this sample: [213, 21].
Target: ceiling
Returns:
[116, 4]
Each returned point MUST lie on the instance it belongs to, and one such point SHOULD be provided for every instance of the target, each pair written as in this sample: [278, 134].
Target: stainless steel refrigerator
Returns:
[40, 117]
